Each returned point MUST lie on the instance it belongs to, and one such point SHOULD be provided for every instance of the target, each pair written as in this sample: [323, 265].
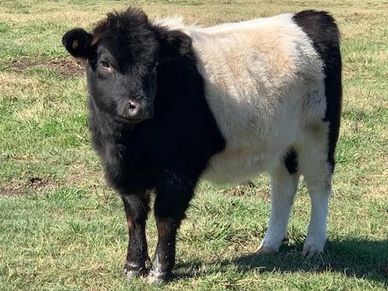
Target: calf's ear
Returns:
[77, 42]
[174, 43]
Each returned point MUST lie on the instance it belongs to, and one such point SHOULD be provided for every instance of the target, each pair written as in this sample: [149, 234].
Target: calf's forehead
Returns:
[128, 52]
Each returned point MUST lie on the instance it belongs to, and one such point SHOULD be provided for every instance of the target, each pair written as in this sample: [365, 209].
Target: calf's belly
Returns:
[239, 165]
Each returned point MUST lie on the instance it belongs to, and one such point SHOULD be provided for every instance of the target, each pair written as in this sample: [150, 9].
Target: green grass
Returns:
[61, 228]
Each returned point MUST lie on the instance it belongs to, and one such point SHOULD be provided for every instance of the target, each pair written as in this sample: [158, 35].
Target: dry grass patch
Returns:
[81, 175]
[11, 81]
[67, 67]
[29, 185]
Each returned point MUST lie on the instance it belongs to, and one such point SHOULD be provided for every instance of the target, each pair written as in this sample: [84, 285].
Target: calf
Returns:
[170, 104]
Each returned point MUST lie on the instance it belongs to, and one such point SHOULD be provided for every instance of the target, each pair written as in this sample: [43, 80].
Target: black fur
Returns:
[77, 41]
[166, 153]
[323, 31]
[291, 161]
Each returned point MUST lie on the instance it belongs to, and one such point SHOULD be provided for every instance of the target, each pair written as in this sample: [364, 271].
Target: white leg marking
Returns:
[283, 188]
[317, 231]
[317, 175]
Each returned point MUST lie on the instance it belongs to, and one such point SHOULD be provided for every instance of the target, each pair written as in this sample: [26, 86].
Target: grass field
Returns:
[61, 228]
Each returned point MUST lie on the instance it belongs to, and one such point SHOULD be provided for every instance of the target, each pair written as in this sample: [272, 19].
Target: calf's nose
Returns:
[132, 108]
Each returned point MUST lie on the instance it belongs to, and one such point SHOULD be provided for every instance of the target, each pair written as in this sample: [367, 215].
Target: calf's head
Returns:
[122, 54]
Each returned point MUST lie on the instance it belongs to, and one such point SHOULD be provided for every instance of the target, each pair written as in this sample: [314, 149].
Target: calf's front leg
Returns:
[171, 202]
[136, 209]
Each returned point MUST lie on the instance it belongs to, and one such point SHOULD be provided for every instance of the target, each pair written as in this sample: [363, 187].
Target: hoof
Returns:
[311, 250]
[262, 250]
[157, 278]
[131, 272]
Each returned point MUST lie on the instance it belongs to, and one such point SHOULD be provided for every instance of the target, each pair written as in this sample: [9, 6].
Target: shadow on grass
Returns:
[360, 258]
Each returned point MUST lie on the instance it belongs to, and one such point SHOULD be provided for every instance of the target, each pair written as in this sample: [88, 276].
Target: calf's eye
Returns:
[105, 65]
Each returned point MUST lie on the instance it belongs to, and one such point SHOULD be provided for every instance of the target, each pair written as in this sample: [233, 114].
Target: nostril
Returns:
[132, 105]
[132, 109]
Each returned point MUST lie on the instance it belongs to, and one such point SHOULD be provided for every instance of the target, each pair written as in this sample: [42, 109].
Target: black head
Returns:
[123, 52]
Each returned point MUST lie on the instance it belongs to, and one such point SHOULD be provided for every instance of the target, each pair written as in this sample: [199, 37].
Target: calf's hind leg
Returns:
[284, 181]
[317, 171]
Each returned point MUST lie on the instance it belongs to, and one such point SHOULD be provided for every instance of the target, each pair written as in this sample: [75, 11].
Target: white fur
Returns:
[265, 86]
[283, 189]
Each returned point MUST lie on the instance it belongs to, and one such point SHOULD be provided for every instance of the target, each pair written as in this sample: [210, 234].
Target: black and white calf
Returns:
[170, 104]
